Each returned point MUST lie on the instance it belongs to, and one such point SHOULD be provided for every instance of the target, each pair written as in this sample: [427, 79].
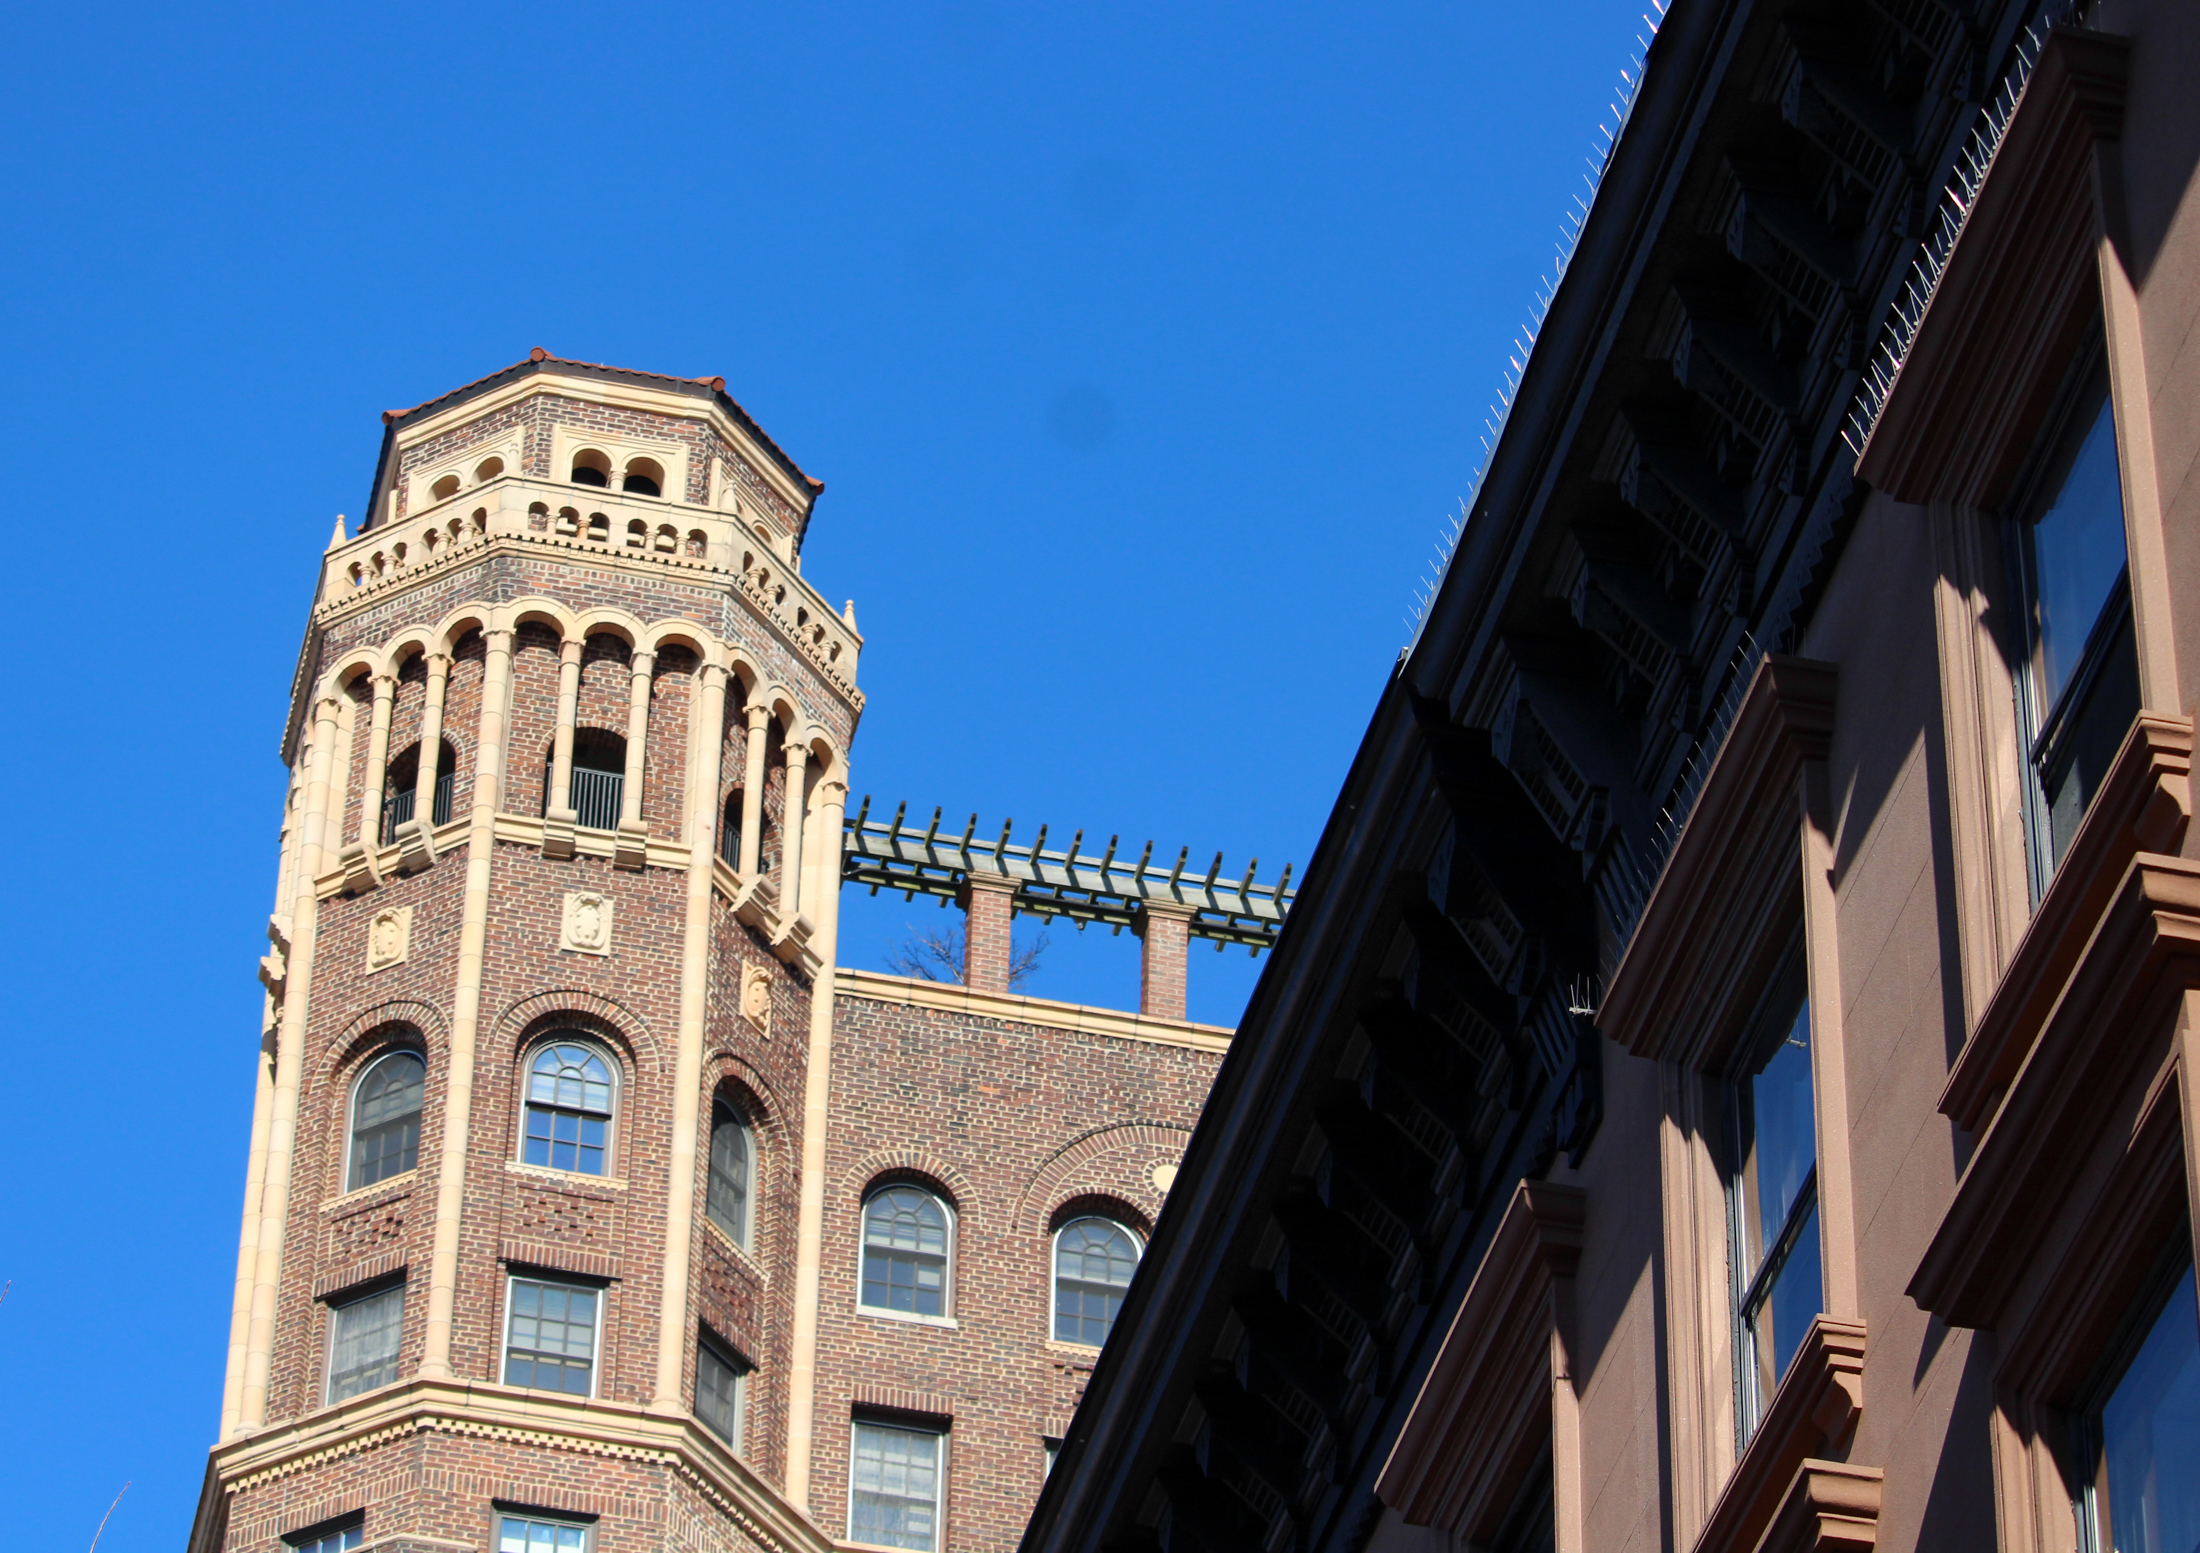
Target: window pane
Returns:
[1779, 1141]
[905, 1252]
[727, 1197]
[516, 1535]
[2078, 551]
[1093, 1263]
[893, 1498]
[1783, 1314]
[551, 1345]
[2150, 1437]
[363, 1343]
[718, 1394]
[385, 1136]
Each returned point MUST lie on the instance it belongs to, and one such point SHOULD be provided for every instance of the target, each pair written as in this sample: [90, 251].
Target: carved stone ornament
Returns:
[756, 998]
[1164, 1175]
[389, 937]
[587, 922]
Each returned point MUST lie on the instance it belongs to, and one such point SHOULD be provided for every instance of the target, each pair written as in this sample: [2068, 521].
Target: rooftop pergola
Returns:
[1071, 883]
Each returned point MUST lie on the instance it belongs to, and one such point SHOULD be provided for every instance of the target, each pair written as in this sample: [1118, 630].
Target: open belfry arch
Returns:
[571, 1143]
[996, 879]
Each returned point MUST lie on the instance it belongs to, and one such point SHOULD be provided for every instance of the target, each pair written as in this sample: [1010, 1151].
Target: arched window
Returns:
[727, 1200]
[488, 469]
[905, 1245]
[645, 477]
[385, 1118]
[1093, 1262]
[569, 1091]
[445, 488]
[591, 468]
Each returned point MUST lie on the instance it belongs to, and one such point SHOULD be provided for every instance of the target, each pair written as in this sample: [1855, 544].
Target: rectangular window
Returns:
[533, 1534]
[718, 1387]
[894, 1486]
[2078, 678]
[2144, 1488]
[550, 1336]
[327, 1538]
[1772, 1212]
[364, 1335]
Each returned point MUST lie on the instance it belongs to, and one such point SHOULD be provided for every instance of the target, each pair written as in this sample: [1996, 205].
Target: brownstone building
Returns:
[1729, 1081]
[589, 1204]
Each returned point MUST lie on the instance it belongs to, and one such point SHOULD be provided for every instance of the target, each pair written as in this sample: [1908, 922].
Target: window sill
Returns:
[743, 1257]
[388, 1189]
[1072, 1350]
[875, 1314]
[569, 1180]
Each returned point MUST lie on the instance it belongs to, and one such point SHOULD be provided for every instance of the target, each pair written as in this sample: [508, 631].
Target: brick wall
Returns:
[1015, 1124]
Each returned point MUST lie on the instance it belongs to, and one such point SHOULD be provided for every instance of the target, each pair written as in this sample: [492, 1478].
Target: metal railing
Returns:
[596, 797]
[397, 808]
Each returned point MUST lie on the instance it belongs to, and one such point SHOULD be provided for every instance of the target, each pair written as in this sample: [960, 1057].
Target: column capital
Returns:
[1163, 911]
[832, 791]
[710, 674]
[385, 682]
[760, 716]
[437, 662]
[498, 638]
[798, 756]
[569, 650]
[644, 663]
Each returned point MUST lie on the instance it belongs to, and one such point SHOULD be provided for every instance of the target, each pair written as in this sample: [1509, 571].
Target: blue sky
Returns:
[1143, 349]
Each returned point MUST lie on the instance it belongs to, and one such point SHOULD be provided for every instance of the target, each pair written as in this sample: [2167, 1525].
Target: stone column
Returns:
[817, 1090]
[707, 740]
[632, 850]
[378, 759]
[558, 816]
[790, 834]
[289, 1064]
[473, 938]
[431, 740]
[752, 792]
[989, 916]
[1164, 942]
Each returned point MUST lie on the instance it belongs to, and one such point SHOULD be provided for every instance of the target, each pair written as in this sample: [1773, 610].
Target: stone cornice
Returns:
[610, 1429]
[1829, 1506]
[1817, 1406]
[2144, 805]
[953, 998]
[1684, 980]
[2138, 960]
[1484, 1411]
[2018, 289]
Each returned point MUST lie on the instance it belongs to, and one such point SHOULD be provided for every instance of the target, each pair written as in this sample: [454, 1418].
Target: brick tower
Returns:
[563, 1225]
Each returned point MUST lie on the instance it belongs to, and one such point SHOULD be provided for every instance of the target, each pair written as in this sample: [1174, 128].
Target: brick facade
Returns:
[1014, 1120]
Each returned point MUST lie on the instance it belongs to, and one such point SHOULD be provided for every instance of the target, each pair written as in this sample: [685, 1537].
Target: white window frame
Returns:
[746, 1240]
[1054, 1270]
[939, 1476]
[587, 1528]
[351, 1114]
[595, 1357]
[589, 1042]
[947, 1293]
[336, 1308]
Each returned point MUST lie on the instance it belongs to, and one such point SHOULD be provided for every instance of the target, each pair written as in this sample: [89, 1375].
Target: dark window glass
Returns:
[718, 1379]
[569, 1110]
[642, 485]
[385, 1118]
[1093, 1263]
[1774, 1210]
[727, 1197]
[363, 1341]
[894, 1488]
[551, 1343]
[2079, 686]
[2146, 1492]
[583, 475]
[905, 1252]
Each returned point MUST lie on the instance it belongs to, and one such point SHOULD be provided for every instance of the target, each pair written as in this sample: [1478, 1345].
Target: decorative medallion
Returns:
[756, 998]
[1164, 1176]
[587, 923]
[389, 937]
